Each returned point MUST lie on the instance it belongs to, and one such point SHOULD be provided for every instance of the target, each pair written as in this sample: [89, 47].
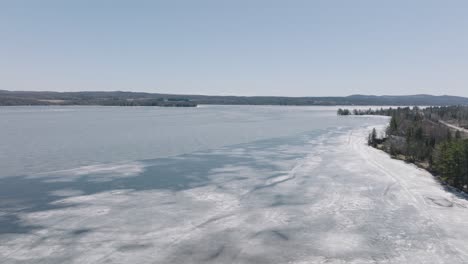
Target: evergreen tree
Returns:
[372, 141]
[393, 125]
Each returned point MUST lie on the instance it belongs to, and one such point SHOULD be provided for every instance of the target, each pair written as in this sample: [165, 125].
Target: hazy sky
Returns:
[293, 48]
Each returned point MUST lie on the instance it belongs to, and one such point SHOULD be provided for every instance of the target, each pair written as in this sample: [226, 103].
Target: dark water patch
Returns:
[134, 247]
[283, 200]
[272, 233]
[215, 254]
[212, 220]
[259, 187]
[80, 231]
[440, 201]
[276, 175]
[280, 235]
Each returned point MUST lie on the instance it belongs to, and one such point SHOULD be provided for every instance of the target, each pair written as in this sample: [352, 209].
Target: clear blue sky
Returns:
[293, 48]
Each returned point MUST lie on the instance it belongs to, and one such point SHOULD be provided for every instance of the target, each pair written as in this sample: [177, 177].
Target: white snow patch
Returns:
[98, 172]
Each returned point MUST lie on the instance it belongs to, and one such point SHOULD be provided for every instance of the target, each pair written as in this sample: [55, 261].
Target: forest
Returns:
[122, 98]
[433, 138]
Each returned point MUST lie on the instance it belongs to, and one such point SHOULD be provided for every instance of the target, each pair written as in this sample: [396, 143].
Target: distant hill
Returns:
[419, 99]
[157, 99]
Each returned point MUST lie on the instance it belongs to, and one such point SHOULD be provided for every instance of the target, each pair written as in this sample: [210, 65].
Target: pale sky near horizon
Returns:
[287, 48]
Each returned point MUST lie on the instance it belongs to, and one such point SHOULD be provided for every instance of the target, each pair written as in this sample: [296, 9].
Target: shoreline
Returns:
[421, 166]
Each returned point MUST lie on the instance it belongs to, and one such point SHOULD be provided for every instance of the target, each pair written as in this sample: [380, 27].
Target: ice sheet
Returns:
[321, 197]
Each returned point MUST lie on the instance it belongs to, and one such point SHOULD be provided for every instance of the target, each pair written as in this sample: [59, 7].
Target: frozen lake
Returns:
[215, 184]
